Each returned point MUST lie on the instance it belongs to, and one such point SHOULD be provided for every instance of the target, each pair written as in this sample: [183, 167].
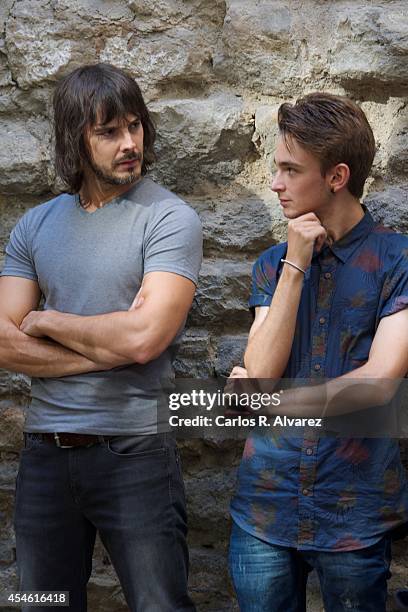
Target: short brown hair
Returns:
[335, 130]
[94, 92]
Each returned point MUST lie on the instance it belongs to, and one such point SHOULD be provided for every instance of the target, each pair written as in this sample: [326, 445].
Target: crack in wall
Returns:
[6, 44]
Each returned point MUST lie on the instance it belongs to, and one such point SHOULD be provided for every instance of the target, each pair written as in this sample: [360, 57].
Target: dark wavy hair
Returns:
[98, 92]
[335, 130]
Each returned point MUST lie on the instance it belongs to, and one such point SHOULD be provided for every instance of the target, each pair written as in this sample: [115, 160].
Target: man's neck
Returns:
[341, 216]
[95, 193]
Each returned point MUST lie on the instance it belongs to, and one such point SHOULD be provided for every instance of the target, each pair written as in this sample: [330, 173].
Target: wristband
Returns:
[293, 265]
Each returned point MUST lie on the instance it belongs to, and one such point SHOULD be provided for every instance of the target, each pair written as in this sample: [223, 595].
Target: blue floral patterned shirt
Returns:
[329, 493]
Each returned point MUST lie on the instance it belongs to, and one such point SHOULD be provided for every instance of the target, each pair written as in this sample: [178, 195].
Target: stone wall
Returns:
[213, 73]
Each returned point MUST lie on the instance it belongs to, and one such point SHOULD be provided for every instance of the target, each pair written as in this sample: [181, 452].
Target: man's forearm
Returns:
[269, 348]
[37, 357]
[357, 390]
[111, 339]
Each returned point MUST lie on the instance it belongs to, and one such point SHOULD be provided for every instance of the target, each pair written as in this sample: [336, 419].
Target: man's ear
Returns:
[338, 177]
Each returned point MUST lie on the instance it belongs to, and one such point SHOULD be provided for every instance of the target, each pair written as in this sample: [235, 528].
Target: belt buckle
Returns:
[58, 441]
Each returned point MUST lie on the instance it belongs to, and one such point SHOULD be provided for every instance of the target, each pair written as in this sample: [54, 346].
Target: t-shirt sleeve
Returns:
[394, 295]
[19, 261]
[174, 241]
[265, 277]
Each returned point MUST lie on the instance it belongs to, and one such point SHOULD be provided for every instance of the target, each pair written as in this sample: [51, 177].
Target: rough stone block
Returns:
[207, 454]
[97, 11]
[5, 74]
[390, 207]
[24, 157]
[24, 103]
[369, 44]
[8, 582]
[104, 591]
[40, 44]
[266, 130]
[398, 145]
[11, 426]
[387, 120]
[230, 352]
[157, 60]
[256, 49]
[200, 140]
[7, 541]
[222, 295]
[8, 468]
[165, 14]
[210, 584]
[245, 224]
[194, 358]
[36, 51]
[12, 207]
[12, 384]
[208, 498]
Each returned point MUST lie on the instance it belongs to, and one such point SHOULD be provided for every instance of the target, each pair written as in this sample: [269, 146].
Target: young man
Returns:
[329, 303]
[98, 454]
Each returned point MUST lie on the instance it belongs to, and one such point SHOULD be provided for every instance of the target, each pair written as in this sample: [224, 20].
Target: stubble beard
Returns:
[110, 178]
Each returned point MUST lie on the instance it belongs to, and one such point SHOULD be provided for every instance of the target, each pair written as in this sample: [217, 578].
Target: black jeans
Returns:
[130, 489]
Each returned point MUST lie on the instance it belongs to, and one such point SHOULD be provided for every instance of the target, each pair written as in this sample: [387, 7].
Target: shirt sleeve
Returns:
[265, 276]
[394, 295]
[19, 261]
[174, 241]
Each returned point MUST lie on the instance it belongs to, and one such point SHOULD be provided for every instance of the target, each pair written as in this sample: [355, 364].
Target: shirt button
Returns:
[322, 320]
[317, 367]
[309, 451]
[306, 492]
[327, 275]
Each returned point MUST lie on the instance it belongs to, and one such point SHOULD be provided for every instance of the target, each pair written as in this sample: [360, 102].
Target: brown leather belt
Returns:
[68, 440]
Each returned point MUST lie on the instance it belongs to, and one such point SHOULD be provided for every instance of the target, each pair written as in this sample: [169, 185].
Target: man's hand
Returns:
[26, 351]
[31, 324]
[238, 372]
[232, 385]
[304, 234]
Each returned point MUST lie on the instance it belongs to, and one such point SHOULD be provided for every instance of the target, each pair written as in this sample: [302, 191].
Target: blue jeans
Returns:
[270, 578]
[130, 490]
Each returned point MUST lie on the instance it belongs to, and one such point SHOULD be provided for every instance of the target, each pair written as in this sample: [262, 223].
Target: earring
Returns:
[332, 190]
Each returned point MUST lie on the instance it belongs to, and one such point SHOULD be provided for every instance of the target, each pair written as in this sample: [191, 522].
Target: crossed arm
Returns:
[53, 344]
[22, 353]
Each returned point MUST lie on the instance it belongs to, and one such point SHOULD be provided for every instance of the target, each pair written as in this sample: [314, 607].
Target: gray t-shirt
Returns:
[94, 263]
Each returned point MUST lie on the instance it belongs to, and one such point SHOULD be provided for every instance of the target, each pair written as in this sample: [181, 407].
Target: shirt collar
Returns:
[345, 247]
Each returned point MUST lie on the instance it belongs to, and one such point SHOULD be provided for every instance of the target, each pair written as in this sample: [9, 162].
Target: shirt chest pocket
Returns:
[360, 309]
[354, 316]
[356, 300]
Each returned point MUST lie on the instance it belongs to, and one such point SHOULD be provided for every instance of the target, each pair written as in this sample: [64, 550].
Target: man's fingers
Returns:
[238, 372]
[306, 217]
[232, 384]
[304, 234]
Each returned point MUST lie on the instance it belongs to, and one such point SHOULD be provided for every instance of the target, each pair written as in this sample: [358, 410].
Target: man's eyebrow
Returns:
[113, 123]
[286, 164]
[105, 126]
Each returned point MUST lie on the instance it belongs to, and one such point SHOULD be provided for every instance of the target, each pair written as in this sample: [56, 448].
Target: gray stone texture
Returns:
[214, 73]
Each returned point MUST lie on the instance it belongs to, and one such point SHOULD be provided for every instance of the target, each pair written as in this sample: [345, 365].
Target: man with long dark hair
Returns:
[330, 303]
[116, 259]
